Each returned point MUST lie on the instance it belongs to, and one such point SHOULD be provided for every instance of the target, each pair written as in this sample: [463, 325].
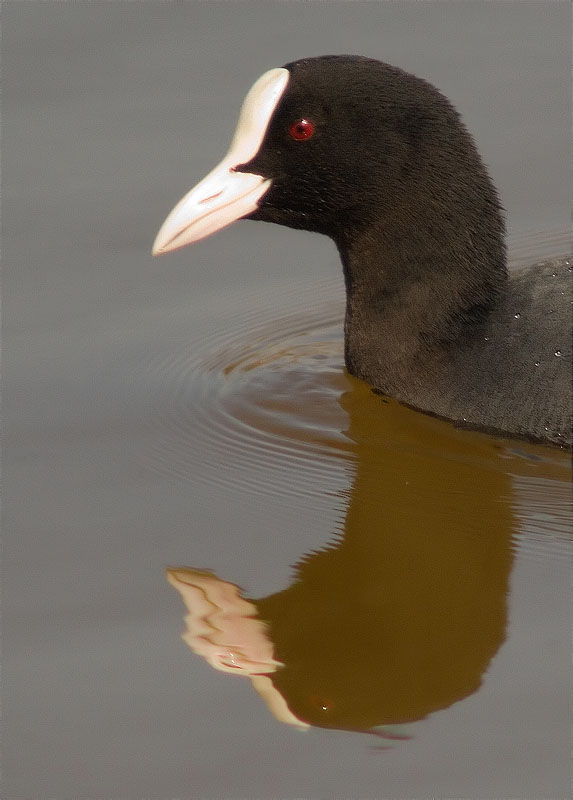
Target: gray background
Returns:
[111, 112]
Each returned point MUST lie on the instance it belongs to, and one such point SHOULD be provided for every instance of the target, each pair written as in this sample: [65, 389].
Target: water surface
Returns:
[193, 412]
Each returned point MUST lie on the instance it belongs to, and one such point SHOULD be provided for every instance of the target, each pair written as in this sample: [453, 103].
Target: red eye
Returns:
[321, 703]
[301, 129]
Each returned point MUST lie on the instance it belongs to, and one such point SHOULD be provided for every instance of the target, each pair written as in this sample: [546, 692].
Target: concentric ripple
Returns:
[254, 405]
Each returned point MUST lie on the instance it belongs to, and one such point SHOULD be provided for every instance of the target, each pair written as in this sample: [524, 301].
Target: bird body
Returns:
[509, 372]
[380, 161]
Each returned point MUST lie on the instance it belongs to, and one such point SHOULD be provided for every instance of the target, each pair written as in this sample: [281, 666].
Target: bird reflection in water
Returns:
[402, 613]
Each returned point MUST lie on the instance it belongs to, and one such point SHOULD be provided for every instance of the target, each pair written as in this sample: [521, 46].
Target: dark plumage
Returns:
[433, 318]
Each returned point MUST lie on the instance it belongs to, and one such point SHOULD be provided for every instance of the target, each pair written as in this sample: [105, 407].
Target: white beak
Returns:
[224, 195]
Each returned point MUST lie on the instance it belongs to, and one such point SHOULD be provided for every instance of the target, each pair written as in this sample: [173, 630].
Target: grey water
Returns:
[193, 412]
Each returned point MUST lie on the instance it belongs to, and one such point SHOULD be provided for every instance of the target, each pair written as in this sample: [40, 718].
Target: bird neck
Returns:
[413, 295]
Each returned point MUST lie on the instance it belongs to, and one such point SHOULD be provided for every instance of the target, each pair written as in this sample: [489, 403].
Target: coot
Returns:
[380, 161]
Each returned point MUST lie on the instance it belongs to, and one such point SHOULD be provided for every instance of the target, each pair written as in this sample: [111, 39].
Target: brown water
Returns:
[401, 611]
[392, 594]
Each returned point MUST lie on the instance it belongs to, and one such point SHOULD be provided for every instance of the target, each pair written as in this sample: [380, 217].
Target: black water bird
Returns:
[380, 161]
